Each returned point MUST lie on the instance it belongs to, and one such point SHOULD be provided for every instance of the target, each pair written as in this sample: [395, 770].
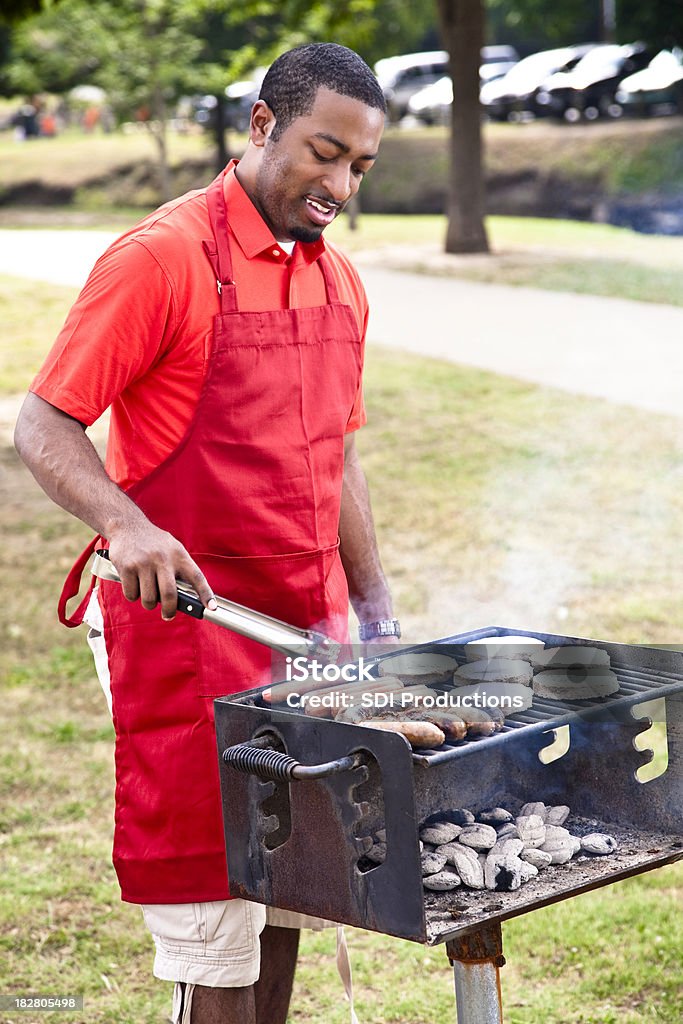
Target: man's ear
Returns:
[261, 123]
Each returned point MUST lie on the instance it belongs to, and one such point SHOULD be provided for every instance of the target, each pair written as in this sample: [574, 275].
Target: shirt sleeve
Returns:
[115, 331]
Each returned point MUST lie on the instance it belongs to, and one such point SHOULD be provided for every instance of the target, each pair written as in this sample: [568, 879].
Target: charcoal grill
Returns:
[310, 794]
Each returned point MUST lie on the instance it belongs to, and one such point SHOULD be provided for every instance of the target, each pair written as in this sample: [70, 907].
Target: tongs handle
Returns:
[279, 636]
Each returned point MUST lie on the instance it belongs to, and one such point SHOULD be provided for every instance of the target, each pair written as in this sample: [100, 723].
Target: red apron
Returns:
[253, 491]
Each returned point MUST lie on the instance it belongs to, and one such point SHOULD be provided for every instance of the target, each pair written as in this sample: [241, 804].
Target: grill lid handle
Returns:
[256, 758]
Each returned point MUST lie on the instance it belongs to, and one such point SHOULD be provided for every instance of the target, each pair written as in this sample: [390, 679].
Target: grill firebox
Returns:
[300, 843]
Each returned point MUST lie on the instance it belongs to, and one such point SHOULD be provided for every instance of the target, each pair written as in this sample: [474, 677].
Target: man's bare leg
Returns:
[266, 1002]
[223, 1005]
[273, 990]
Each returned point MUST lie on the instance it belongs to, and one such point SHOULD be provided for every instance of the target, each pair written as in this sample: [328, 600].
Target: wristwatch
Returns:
[382, 627]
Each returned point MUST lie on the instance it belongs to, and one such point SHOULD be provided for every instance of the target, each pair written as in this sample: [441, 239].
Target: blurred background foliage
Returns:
[134, 46]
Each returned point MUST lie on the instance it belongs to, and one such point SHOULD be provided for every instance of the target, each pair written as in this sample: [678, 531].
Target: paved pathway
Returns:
[629, 352]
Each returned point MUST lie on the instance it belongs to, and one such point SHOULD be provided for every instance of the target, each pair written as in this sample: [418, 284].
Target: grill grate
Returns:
[637, 685]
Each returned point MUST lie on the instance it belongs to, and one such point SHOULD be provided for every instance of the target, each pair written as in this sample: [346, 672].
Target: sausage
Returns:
[419, 734]
[477, 721]
[451, 724]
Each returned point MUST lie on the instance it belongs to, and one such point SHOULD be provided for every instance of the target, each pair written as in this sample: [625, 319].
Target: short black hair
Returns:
[293, 80]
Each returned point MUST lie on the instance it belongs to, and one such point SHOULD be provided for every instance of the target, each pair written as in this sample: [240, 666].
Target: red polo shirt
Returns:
[138, 337]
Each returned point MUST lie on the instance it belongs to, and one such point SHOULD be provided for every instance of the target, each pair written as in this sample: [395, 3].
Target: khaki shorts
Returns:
[217, 945]
[214, 944]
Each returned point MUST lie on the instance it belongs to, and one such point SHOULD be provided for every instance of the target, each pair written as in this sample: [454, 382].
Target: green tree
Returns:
[48, 51]
[139, 51]
[146, 53]
[658, 22]
[534, 25]
[17, 10]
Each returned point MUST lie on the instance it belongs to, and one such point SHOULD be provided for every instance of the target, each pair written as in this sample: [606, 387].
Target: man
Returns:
[228, 340]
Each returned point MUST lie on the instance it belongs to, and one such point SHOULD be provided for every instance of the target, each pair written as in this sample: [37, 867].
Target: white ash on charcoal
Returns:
[556, 815]
[440, 833]
[599, 844]
[433, 861]
[508, 830]
[494, 816]
[456, 815]
[508, 844]
[479, 837]
[560, 844]
[536, 807]
[539, 858]
[531, 829]
[500, 851]
[442, 881]
[466, 862]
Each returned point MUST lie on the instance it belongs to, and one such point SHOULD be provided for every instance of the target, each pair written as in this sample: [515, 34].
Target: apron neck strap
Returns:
[218, 217]
[330, 283]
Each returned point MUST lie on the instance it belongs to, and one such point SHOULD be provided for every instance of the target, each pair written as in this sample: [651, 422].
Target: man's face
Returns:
[307, 176]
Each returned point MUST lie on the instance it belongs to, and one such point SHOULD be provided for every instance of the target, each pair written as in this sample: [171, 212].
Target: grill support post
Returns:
[476, 959]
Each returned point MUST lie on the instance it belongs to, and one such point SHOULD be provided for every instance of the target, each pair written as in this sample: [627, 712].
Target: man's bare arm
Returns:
[57, 450]
[368, 588]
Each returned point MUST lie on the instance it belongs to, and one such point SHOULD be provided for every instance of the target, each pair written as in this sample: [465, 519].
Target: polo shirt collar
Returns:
[250, 230]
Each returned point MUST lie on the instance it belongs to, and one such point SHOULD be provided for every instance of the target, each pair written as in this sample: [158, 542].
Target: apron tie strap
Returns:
[72, 585]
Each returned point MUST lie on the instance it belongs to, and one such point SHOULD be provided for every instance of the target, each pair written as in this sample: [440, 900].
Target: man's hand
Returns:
[150, 563]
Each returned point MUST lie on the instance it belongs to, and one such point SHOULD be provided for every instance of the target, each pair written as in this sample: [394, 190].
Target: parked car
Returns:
[400, 77]
[432, 104]
[657, 88]
[240, 98]
[589, 90]
[496, 61]
[516, 92]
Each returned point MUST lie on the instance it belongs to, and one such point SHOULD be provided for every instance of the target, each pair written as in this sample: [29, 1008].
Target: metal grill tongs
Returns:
[258, 755]
[279, 636]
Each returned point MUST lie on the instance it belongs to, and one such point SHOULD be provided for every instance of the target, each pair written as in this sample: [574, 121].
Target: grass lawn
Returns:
[77, 158]
[496, 502]
[559, 255]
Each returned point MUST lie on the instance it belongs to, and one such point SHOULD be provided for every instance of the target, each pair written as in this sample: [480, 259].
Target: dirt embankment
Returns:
[625, 172]
[622, 172]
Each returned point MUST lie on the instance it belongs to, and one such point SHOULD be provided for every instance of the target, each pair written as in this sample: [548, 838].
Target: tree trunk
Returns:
[608, 18]
[352, 211]
[219, 134]
[158, 125]
[462, 30]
